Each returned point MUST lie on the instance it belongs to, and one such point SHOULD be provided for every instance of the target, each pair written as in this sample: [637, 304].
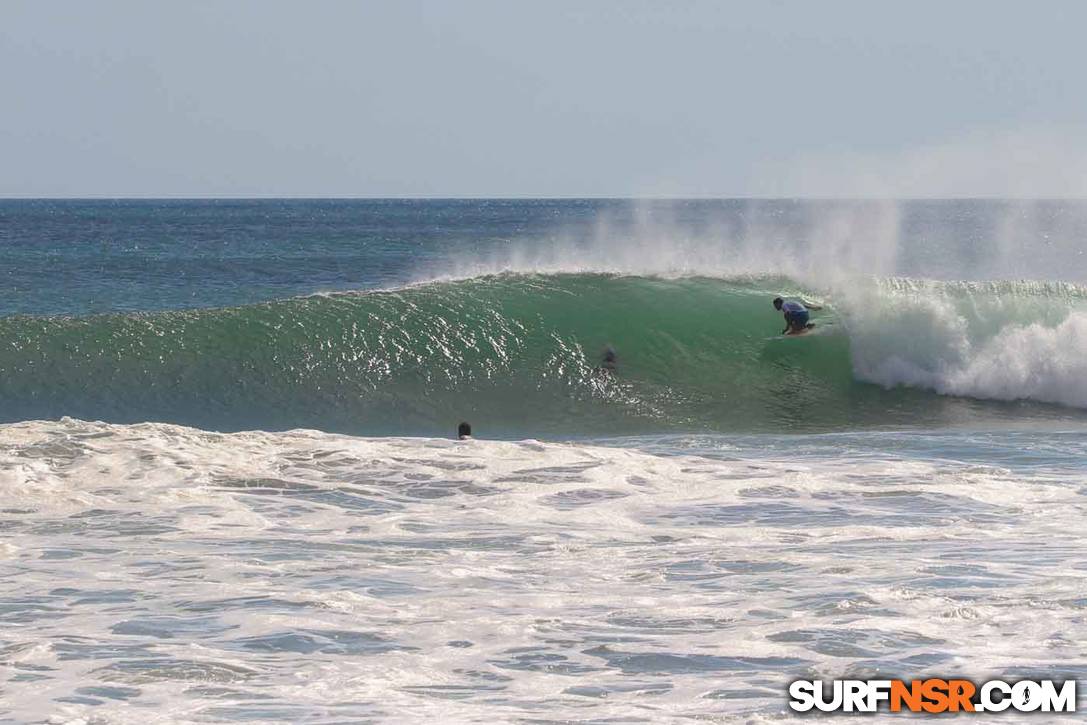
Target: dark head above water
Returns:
[464, 431]
[778, 302]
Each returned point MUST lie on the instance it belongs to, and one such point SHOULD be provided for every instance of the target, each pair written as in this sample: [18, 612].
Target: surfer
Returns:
[464, 432]
[796, 315]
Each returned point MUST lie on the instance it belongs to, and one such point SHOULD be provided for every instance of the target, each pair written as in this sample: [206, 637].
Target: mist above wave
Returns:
[822, 243]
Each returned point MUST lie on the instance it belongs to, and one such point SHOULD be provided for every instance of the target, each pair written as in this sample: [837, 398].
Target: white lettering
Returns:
[802, 693]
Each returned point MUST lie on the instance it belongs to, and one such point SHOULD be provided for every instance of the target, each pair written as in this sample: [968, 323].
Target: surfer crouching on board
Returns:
[796, 315]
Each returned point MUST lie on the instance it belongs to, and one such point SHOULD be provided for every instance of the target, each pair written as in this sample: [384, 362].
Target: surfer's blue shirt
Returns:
[796, 314]
[792, 307]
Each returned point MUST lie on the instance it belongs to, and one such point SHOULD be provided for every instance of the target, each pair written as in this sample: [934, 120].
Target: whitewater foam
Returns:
[998, 341]
[169, 574]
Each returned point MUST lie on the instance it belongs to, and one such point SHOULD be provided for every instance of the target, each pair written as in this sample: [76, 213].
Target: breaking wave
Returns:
[521, 353]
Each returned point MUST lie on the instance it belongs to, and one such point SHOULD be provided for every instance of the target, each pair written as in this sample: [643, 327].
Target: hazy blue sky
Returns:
[548, 98]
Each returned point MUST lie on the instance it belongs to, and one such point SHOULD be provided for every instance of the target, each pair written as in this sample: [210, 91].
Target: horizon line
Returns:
[122, 197]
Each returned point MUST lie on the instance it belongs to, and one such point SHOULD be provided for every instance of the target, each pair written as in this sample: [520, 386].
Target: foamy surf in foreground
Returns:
[153, 573]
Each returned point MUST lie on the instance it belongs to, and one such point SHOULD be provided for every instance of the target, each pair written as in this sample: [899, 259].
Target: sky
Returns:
[511, 98]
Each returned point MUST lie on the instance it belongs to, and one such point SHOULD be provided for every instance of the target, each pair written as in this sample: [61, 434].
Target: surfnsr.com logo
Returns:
[932, 696]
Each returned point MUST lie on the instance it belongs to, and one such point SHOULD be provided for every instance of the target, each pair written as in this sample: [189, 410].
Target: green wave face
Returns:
[514, 355]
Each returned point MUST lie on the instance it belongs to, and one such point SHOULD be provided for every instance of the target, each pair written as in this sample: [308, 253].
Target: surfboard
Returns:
[806, 331]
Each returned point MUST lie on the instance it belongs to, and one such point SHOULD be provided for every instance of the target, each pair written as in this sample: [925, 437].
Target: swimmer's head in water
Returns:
[778, 302]
[464, 430]
[610, 359]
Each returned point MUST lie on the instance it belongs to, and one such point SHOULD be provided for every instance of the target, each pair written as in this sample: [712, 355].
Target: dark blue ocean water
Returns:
[80, 257]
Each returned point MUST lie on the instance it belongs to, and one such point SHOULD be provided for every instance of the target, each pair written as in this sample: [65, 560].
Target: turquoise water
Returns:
[404, 317]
